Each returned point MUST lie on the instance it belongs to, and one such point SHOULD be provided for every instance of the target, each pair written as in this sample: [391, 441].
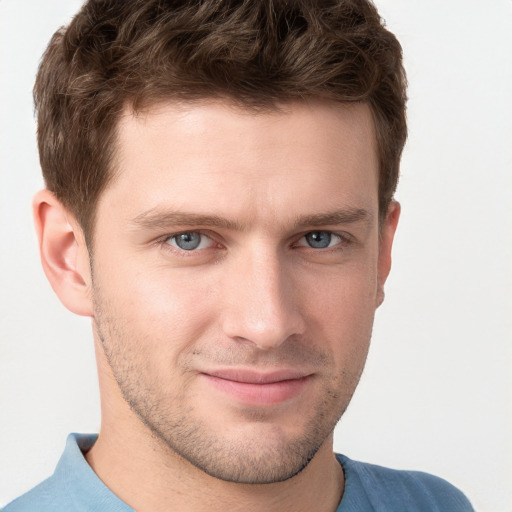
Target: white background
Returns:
[437, 391]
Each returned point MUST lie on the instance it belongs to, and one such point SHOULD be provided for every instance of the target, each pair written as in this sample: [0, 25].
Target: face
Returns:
[237, 267]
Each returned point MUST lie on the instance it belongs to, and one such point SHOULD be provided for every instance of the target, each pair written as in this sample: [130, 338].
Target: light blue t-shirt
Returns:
[74, 487]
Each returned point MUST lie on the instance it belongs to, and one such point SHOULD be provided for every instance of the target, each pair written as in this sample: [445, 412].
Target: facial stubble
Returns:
[264, 453]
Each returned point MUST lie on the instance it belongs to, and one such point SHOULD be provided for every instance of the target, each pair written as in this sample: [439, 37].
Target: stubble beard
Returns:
[259, 459]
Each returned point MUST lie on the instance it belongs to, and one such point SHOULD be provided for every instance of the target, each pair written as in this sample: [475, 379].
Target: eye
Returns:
[320, 239]
[189, 241]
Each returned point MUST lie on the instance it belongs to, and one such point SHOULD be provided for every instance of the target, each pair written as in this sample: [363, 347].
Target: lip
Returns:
[249, 387]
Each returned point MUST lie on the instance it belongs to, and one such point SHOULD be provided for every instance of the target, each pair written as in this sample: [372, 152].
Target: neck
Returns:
[152, 478]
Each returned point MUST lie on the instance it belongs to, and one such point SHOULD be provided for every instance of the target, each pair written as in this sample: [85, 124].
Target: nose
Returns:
[261, 305]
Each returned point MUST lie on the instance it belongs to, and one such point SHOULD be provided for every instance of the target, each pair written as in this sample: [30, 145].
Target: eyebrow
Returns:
[343, 216]
[159, 219]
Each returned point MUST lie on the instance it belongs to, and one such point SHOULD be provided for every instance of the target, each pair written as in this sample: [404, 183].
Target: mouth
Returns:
[260, 389]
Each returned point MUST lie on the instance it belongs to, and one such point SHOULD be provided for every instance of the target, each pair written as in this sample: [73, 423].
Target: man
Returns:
[219, 201]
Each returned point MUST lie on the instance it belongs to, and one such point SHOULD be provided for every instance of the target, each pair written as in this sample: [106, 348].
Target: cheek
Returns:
[341, 312]
[160, 311]
[347, 291]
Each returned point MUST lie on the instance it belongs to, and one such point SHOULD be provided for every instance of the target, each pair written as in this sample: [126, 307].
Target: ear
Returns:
[64, 254]
[387, 234]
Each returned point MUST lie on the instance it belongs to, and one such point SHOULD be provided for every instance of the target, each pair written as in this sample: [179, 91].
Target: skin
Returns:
[225, 368]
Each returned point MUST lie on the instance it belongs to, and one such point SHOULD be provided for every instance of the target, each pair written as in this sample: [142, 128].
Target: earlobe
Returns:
[387, 234]
[63, 252]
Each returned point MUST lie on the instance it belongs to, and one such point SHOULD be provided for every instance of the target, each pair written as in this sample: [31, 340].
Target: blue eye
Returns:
[189, 241]
[321, 239]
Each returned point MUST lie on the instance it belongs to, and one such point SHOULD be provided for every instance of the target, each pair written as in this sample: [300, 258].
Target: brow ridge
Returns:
[342, 216]
[158, 219]
[154, 219]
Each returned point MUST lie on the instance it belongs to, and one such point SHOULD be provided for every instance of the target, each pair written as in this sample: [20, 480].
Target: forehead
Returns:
[292, 122]
[216, 158]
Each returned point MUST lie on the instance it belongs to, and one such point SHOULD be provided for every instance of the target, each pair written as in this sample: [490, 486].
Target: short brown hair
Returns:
[256, 52]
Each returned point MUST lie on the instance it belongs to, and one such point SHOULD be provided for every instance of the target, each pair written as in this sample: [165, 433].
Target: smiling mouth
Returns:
[260, 389]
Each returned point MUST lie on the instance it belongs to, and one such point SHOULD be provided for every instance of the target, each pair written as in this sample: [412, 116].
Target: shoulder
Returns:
[398, 490]
[72, 487]
[40, 498]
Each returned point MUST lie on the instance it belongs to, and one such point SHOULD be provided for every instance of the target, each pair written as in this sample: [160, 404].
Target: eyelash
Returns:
[345, 240]
[166, 246]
